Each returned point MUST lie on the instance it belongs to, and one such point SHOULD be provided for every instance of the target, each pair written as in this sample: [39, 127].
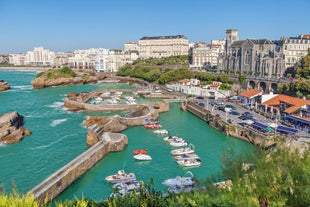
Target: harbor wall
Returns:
[233, 130]
[52, 186]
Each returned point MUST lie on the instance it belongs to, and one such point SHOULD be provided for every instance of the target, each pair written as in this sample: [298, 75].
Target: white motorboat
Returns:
[180, 181]
[182, 151]
[121, 176]
[173, 138]
[142, 157]
[178, 143]
[187, 156]
[195, 162]
[123, 188]
[161, 131]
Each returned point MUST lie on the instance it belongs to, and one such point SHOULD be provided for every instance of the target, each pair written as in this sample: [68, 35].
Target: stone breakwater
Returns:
[51, 187]
[11, 128]
[4, 86]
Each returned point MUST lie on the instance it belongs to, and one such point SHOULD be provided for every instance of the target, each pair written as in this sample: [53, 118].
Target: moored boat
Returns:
[152, 126]
[173, 138]
[161, 131]
[140, 151]
[194, 162]
[181, 184]
[142, 157]
[123, 188]
[182, 151]
[178, 143]
[121, 176]
[186, 156]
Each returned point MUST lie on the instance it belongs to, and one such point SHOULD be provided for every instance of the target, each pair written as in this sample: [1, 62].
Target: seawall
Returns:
[52, 186]
[226, 128]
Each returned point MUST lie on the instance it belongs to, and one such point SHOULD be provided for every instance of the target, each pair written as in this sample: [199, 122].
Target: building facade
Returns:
[294, 48]
[163, 46]
[39, 57]
[260, 57]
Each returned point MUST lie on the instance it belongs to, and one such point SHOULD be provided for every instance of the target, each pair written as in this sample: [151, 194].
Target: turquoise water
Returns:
[58, 136]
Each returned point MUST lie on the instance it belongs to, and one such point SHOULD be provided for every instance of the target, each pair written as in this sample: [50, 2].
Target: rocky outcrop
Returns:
[11, 128]
[4, 86]
[44, 81]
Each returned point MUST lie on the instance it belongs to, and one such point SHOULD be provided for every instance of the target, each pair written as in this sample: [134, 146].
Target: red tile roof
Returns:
[251, 93]
[184, 81]
[296, 103]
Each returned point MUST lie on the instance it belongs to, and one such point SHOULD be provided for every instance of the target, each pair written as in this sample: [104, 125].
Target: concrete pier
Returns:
[51, 187]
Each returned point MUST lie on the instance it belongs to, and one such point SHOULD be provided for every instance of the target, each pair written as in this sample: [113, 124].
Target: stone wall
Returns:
[60, 180]
[226, 128]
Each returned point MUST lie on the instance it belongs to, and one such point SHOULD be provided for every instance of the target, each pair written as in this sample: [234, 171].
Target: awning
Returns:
[260, 125]
[286, 129]
[295, 118]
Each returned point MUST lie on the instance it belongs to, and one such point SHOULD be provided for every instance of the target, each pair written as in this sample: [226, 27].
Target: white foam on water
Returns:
[23, 87]
[57, 122]
[56, 105]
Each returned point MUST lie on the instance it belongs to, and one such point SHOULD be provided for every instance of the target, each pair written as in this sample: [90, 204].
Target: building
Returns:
[17, 59]
[39, 57]
[163, 46]
[294, 48]
[131, 46]
[205, 56]
[260, 57]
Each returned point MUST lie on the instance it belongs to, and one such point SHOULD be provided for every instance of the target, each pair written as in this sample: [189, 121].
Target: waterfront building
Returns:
[294, 48]
[260, 57]
[39, 57]
[83, 59]
[250, 98]
[163, 46]
[17, 59]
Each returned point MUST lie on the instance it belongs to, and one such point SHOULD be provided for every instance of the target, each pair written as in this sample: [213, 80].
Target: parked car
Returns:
[230, 106]
[201, 104]
[200, 97]
[233, 112]
[242, 117]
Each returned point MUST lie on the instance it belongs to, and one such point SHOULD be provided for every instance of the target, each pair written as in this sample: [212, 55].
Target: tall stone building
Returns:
[163, 46]
[260, 57]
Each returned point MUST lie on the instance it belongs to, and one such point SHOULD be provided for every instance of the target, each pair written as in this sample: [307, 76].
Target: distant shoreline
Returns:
[25, 68]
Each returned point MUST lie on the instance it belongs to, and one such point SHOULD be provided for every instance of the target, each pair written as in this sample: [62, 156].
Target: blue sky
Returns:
[67, 25]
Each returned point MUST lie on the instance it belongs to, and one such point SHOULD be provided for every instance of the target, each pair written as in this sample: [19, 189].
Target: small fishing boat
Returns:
[181, 184]
[123, 188]
[121, 176]
[161, 131]
[140, 151]
[142, 157]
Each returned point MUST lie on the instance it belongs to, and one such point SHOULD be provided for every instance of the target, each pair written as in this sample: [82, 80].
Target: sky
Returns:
[67, 25]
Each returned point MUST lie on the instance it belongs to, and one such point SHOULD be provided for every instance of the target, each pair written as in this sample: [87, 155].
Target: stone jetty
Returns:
[51, 187]
[4, 86]
[11, 128]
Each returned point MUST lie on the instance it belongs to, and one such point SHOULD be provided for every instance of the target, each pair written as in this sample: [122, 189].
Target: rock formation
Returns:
[4, 86]
[11, 128]
[44, 81]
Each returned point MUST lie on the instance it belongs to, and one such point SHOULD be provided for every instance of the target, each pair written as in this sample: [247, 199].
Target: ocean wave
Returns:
[57, 122]
[56, 105]
[22, 87]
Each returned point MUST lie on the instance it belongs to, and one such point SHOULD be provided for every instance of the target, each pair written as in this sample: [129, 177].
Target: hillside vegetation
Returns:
[170, 69]
[64, 72]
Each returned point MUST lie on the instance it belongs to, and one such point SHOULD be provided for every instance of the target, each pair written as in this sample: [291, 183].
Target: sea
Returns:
[58, 136]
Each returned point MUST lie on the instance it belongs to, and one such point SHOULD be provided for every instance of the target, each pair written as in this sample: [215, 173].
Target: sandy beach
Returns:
[25, 68]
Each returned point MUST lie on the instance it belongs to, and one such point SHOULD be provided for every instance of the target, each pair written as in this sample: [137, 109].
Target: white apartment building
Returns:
[17, 59]
[39, 57]
[163, 46]
[62, 58]
[294, 48]
[83, 59]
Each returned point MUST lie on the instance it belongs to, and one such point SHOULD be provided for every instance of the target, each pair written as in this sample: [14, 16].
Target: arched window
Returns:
[247, 58]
